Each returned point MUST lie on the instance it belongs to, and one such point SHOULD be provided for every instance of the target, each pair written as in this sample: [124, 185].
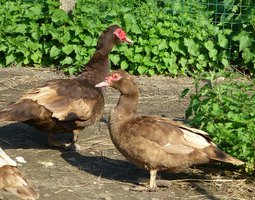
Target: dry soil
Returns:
[98, 170]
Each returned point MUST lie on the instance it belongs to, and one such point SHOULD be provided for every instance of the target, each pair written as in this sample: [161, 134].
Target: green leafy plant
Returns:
[171, 37]
[226, 110]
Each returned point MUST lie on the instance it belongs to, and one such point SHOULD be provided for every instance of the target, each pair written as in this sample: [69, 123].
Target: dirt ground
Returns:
[98, 170]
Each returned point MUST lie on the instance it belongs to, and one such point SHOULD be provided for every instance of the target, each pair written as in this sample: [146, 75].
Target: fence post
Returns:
[67, 5]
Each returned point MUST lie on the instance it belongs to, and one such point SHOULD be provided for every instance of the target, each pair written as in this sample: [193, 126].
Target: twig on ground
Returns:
[206, 180]
[6, 142]
[61, 190]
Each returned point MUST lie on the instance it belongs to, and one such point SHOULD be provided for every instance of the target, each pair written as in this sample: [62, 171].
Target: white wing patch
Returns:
[5, 159]
[194, 130]
[177, 149]
[194, 140]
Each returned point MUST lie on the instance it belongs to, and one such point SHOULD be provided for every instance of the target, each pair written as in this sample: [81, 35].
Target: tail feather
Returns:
[24, 192]
[7, 116]
[14, 112]
[12, 180]
[23, 110]
[216, 154]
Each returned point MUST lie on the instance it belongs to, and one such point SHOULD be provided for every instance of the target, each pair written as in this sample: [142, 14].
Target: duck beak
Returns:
[102, 84]
[122, 36]
[129, 41]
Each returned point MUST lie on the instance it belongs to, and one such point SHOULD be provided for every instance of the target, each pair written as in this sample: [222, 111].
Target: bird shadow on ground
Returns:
[18, 135]
[104, 167]
[124, 171]
[22, 136]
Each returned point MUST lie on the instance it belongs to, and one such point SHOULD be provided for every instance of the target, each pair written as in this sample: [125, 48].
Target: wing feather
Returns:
[66, 99]
[172, 136]
[5, 159]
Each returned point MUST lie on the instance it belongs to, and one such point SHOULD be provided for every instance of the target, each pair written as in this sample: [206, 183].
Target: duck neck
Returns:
[125, 110]
[105, 48]
[128, 103]
[97, 67]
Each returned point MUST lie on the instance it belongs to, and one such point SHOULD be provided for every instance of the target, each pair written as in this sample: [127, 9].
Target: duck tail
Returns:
[216, 154]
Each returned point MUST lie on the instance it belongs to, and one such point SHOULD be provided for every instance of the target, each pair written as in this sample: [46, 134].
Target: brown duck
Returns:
[68, 105]
[12, 180]
[152, 142]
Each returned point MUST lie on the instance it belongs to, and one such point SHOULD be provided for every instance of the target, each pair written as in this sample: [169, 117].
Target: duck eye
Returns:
[115, 76]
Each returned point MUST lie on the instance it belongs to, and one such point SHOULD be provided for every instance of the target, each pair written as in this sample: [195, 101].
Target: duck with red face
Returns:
[152, 142]
[68, 105]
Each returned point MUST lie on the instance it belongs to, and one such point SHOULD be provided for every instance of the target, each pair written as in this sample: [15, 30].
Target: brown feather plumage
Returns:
[12, 180]
[67, 105]
[152, 142]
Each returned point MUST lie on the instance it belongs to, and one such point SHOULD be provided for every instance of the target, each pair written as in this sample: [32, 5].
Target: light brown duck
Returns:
[12, 180]
[152, 142]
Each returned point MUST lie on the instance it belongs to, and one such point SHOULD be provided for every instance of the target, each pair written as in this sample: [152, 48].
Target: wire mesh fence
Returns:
[224, 14]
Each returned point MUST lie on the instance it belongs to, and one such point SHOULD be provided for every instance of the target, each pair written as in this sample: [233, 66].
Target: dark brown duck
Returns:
[152, 142]
[68, 105]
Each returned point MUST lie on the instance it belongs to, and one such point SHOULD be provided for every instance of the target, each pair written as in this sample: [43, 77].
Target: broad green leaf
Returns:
[138, 58]
[151, 72]
[36, 57]
[67, 49]
[175, 45]
[115, 59]
[21, 28]
[225, 62]
[159, 67]
[223, 41]
[213, 53]
[36, 35]
[10, 59]
[183, 61]
[209, 45]
[162, 45]
[88, 40]
[147, 61]
[138, 49]
[147, 49]
[247, 55]
[245, 41]
[155, 50]
[67, 61]
[131, 23]
[124, 65]
[195, 104]
[192, 46]
[141, 70]
[59, 16]
[34, 12]
[65, 38]
[72, 70]
[3, 47]
[26, 60]
[54, 51]
[44, 28]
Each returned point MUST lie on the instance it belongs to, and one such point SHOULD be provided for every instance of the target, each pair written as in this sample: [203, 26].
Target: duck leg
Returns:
[153, 175]
[73, 145]
[145, 187]
[52, 142]
[68, 146]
